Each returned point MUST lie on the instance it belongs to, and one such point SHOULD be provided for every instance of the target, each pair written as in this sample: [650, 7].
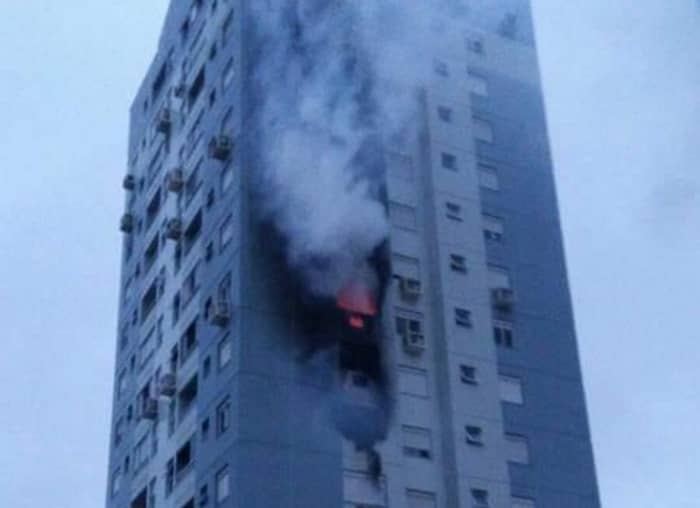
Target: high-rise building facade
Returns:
[453, 382]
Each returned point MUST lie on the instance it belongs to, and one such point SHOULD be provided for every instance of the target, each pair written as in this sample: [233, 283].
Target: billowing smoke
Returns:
[333, 79]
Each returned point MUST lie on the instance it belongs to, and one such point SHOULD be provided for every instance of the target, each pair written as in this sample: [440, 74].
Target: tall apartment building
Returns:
[217, 403]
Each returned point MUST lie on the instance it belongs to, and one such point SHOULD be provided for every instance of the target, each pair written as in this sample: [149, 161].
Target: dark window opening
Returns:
[196, 88]
[188, 396]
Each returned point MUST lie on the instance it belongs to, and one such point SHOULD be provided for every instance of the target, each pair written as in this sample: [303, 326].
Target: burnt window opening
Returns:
[187, 397]
[363, 360]
[196, 88]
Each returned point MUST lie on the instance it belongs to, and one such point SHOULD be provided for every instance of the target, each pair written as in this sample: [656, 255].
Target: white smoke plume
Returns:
[334, 78]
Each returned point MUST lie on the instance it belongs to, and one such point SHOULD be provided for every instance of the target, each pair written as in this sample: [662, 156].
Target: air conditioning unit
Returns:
[164, 120]
[410, 288]
[180, 90]
[149, 410]
[503, 298]
[414, 343]
[220, 147]
[127, 223]
[167, 385]
[219, 313]
[173, 229]
[175, 180]
[129, 182]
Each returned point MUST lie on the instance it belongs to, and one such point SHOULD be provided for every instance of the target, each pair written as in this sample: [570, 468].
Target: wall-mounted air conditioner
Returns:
[220, 147]
[126, 224]
[175, 180]
[173, 229]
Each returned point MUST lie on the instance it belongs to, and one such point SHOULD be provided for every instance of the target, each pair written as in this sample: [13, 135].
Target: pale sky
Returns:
[622, 81]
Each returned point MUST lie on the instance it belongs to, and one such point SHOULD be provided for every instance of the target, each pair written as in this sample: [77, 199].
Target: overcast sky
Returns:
[622, 82]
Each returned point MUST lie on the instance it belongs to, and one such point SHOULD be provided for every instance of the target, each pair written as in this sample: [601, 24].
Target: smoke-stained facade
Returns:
[343, 280]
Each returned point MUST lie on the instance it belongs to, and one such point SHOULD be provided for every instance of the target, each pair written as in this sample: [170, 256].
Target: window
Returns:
[407, 325]
[153, 208]
[420, 499]
[193, 183]
[118, 431]
[223, 485]
[453, 211]
[463, 317]
[149, 300]
[467, 374]
[521, 502]
[441, 68]
[405, 267]
[190, 286]
[151, 254]
[204, 429]
[188, 341]
[229, 72]
[226, 233]
[413, 381]
[121, 384]
[498, 277]
[169, 477]
[176, 307]
[517, 449]
[192, 232]
[444, 114]
[474, 435]
[223, 416]
[141, 455]
[226, 27]
[402, 216]
[196, 88]
[503, 334]
[116, 481]
[477, 84]
[416, 442]
[224, 352]
[483, 131]
[187, 397]
[511, 389]
[360, 490]
[493, 228]
[448, 161]
[226, 120]
[480, 497]
[458, 263]
[183, 460]
[226, 178]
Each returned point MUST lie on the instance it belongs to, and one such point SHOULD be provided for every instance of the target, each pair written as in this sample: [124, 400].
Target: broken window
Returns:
[188, 342]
